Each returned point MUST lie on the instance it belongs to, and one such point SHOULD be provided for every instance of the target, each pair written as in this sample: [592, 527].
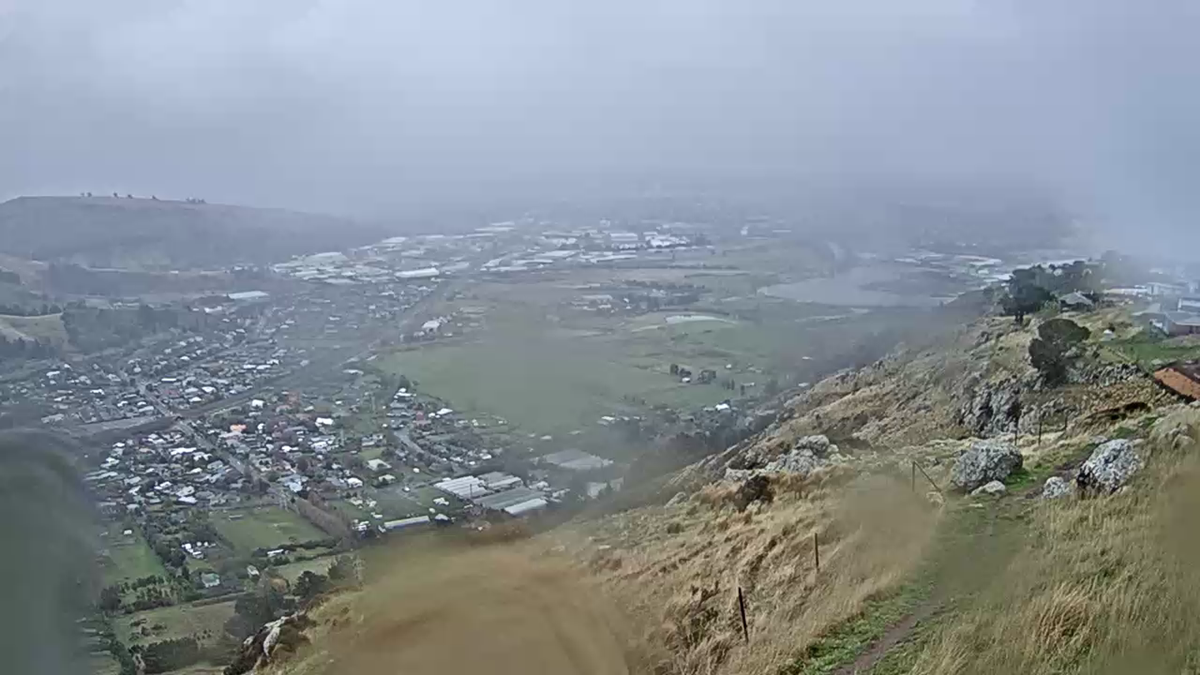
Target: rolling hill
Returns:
[150, 234]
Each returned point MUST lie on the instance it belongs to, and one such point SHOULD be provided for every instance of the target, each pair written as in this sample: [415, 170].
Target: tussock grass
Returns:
[680, 586]
[1106, 585]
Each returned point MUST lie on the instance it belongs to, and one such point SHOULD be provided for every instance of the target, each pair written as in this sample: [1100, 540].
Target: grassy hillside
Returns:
[160, 234]
[1106, 585]
[909, 580]
[33, 328]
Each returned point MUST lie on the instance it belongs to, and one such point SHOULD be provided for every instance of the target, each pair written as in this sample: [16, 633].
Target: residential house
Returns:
[378, 465]
[1181, 323]
[1189, 304]
[1076, 301]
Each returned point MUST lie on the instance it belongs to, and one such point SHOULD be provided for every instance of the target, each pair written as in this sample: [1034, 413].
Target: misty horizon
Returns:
[372, 109]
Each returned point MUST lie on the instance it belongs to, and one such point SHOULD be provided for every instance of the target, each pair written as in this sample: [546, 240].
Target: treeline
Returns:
[17, 349]
[291, 547]
[72, 278]
[93, 329]
[168, 655]
[148, 591]
[1031, 288]
[165, 536]
[328, 522]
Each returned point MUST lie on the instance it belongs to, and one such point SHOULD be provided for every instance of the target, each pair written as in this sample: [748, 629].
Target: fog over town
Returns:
[629, 337]
[395, 109]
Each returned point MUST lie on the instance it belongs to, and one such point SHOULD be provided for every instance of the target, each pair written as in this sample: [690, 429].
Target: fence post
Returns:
[935, 485]
[914, 475]
[742, 608]
[817, 551]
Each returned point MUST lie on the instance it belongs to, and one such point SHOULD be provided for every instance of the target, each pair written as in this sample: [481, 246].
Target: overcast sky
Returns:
[371, 106]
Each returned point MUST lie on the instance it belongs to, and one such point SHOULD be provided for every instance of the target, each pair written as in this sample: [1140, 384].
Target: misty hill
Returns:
[160, 234]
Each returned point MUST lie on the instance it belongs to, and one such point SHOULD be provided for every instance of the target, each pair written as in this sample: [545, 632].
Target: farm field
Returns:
[130, 558]
[1151, 353]
[204, 622]
[392, 503]
[264, 527]
[547, 367]
[292, 571]
[543, 386]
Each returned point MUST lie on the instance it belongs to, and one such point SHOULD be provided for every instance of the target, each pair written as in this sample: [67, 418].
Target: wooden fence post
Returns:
[935, 485]
[817, 551]
[742, 608]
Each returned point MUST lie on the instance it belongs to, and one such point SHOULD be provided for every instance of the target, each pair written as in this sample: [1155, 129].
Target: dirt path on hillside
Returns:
[978, 544]
[894, 636]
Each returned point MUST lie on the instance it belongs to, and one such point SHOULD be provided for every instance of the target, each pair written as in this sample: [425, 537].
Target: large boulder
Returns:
[273, 640]
[808, 454]
[756, 488]
[818, 445]
[802, 462]
[994, 408]
[1109, 467]
[985, 462]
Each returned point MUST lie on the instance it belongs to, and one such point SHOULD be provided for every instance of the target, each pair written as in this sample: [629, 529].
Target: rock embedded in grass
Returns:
[994, 489]
[1110, 466]
[984, 462]
[1055, 487]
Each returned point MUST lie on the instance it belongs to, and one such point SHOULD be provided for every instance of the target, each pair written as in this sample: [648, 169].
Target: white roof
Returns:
[465, 487]
[497, 480]
[424, 273]
[405, 522]
[248, 295]
[526, 506]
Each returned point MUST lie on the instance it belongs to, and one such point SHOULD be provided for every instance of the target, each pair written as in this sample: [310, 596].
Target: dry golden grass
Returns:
[676, 572]
[1107, 585]
[650, 591]
[49, 327]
